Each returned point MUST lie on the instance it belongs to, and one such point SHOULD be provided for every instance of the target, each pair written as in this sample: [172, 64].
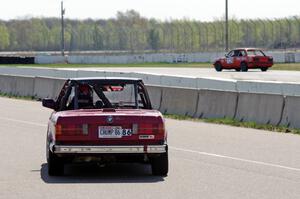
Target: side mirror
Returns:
[48, 103]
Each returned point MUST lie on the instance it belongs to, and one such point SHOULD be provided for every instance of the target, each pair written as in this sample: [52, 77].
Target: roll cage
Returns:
[141, 97]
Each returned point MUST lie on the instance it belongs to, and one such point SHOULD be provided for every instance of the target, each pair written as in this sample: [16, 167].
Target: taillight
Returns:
[58, 129]
[146, 129]
[151, 129]
[161, 128]
[71, 129]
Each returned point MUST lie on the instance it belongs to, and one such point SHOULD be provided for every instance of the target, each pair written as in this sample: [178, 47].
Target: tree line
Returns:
[129, 31]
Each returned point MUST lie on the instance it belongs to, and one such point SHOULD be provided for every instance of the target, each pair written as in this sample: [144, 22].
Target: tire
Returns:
[160, 165]
[55, 165]
[237, 69]
[244, 67]
[264, 69]
[218, 67]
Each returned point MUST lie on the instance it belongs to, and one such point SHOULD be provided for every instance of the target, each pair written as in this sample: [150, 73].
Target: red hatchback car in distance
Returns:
[242, 59]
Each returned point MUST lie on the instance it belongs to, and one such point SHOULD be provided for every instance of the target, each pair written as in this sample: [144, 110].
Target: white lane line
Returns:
[234, 158]
[22, 121]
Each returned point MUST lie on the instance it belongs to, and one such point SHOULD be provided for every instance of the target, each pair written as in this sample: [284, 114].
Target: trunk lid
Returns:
[134, 126]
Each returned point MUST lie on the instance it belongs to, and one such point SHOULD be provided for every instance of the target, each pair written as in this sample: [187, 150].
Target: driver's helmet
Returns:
[85, 96]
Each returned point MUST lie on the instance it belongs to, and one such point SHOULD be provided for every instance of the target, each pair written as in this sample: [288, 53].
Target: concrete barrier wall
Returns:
[24, 86]
[46, 59]
[175, 81]
[148, 78]
[253, 107]
[155, 95]
[282, 88]
[59, 83]
[259, 87]
[165, 80]
[45, 87]
[216, 84]
[84, 73]
[260, 108]
[180, 101]
[60, 73]
[16, 85]
[291, 116]
[8, 84]
[216, 104]
[28, 71]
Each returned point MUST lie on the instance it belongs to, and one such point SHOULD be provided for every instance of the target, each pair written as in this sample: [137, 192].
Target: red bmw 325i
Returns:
[105, 120]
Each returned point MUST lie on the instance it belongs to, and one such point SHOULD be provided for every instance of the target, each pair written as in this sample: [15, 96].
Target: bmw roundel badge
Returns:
[109, 119]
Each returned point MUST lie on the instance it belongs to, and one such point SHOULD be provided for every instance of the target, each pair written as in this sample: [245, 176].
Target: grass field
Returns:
[291, 66]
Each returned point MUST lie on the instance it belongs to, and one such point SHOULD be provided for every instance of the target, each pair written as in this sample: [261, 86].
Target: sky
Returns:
[204, 10]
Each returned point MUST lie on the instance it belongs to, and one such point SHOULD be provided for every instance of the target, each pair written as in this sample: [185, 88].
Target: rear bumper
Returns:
[138, 149]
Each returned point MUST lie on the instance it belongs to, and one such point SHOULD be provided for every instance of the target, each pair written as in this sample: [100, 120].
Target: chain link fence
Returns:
[195, 36]
[131, 33]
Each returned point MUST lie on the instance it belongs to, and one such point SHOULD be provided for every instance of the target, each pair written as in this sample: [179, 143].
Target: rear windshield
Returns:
[118, 95]
[106, 96]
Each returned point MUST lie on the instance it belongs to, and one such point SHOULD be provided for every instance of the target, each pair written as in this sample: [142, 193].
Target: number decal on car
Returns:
[229, 60]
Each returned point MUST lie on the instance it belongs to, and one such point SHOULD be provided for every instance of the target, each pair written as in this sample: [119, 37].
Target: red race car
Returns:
[104, 121]
[243, 59]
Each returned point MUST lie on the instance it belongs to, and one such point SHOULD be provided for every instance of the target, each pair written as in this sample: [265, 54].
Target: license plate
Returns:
[113, 132]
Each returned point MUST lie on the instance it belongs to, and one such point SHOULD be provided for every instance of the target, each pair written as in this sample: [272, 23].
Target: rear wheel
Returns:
[55, 165]
[160, 165]
[218, 67]
[244, 67]
[264, 69]
[238, 69]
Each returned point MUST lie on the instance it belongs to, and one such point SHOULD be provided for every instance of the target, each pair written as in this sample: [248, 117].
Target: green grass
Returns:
[232, 122]
[17, 97]
[291, 66]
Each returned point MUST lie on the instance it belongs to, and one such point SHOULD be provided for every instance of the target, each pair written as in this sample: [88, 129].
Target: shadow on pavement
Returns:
[249, 71]
[92, 173]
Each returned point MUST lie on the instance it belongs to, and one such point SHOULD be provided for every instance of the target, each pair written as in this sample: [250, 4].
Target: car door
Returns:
[229, 60]
[232, 59]
[239, 58]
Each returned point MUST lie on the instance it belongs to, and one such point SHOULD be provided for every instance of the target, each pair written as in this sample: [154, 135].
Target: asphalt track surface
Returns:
[206, 161]
[252, 74]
